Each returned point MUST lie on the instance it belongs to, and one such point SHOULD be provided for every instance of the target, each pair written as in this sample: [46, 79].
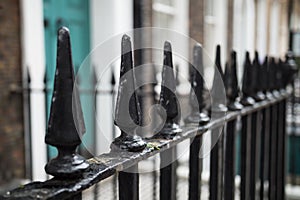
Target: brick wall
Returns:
[11, 109]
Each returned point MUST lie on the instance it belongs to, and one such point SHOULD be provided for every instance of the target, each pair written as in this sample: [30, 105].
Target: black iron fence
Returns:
[260, 109]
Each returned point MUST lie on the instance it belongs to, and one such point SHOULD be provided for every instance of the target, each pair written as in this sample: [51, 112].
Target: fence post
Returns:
[265, 132]
[247, 100]
[280, 134]
[255, 127]
[169, 102]
[216, 156]
[128, 121]
[66, 124]
[199, 118]
[232, 91]
[273, 132]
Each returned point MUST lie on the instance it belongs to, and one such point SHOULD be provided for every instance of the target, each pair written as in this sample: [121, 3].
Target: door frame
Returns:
[33, 58]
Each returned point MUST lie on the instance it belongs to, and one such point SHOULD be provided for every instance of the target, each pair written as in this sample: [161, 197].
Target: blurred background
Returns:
[28, 31]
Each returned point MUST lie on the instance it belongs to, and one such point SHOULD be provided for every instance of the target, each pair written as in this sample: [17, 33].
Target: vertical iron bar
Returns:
[221, 168]
[279, 154]
[284, 160]
[229, 175]
[112, 92]
[264, 165]
[216, 166]
[214, 169]
[245, 157]
[272, 153]
[27, 126]
[96, 92]
[195, 165]
[292, 136]
[129, 184]
[154, 175]
[254, 153]
[168, 174]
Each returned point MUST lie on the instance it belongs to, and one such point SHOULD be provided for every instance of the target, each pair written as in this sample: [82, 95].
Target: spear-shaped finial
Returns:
[292, 67]
[218, 92]
[272, 77]
[265, 79]
[247, 92]
[279, 77]
[197, 103]
[218, 61]
[112, 78]
[231, 84]
[127, 112]
[257, 75]
[168, 99]
[66, 124]
[264, 76]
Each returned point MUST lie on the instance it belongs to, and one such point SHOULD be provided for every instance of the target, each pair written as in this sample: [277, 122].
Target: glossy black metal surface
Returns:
[247, 90]
[66, 124]
[195, 169]
[258, 76]
[198, 116]
[168, 99]
[245, 157]
[129, 184]
[231, 84]
[218, 104]
[127, 117]
[168, 176]
[229, 166]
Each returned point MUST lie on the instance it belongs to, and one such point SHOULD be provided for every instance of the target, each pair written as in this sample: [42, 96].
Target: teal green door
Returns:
[73, 14]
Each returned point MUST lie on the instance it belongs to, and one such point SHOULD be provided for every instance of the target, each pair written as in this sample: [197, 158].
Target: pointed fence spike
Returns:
[259, 79]
[154, 84]
[112, 78]
[168, 99]
[66, 123]
[197, 103]
[292, 67]
[265, 78]
[279, 77]
[217, 90]
[28, 75]
[127, 120]
[177, 75]
[247, 100]
[218, 61]
[273, 78]
[264, 75]
[231, 84]
[94, 77]
[256, 57]
[280, 74]
[113, 83]
[271, 73]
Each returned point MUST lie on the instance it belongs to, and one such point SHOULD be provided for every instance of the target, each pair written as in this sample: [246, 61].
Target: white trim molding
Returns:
[33, 58]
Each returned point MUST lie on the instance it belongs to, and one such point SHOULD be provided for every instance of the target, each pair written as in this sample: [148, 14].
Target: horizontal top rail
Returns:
[105, 165]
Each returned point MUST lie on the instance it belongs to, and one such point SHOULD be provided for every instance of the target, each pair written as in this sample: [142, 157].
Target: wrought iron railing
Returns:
[260, 108]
